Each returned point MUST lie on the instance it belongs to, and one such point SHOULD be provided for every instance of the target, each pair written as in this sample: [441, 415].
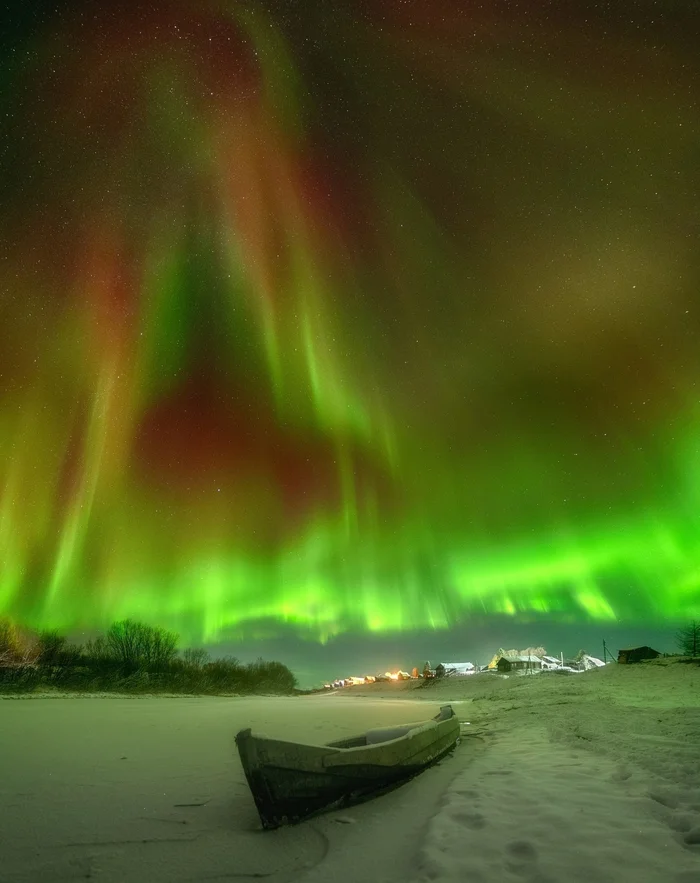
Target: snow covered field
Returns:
[573, 779]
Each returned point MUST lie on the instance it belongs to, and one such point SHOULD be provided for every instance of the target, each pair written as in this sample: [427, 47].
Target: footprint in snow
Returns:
[521, 855]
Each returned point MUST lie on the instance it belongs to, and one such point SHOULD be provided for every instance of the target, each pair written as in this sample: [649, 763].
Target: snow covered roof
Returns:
[594, 660]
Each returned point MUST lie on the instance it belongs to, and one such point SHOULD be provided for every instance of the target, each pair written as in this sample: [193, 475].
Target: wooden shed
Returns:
[636, 654]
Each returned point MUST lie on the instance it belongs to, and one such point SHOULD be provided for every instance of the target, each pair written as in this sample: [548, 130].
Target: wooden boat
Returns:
[291, 781]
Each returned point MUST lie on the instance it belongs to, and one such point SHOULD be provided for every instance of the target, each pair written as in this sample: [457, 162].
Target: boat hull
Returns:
[291, 782]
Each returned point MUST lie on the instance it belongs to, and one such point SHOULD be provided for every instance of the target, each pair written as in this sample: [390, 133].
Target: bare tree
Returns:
[162, 647]
[122, 641]
[137, 645]
[8, 641]
[97, 649]
[195, 657]
[688, 639]
[52, 647]
[18, 646]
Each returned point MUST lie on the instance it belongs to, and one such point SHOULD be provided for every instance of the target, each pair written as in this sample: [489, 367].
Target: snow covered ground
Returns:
[568, 779]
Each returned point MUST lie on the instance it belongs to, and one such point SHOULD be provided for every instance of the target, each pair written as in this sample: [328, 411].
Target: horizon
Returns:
[351, 655]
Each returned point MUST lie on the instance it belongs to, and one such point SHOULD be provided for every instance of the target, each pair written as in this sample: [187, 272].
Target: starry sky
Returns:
[367, 318]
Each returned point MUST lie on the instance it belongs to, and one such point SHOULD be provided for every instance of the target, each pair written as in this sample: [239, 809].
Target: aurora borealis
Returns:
[349, 316]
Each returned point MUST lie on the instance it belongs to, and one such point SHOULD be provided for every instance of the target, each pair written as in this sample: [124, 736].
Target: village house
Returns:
[521, 663]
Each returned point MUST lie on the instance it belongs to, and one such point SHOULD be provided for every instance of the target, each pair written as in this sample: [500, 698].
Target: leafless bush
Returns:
[195, 657]
[18, 645]
[137, 645]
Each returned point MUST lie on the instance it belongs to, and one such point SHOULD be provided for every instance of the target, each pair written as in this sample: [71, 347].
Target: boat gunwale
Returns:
[424, 727]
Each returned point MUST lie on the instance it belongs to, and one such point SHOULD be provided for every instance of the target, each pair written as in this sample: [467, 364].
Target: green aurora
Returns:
[365, 317]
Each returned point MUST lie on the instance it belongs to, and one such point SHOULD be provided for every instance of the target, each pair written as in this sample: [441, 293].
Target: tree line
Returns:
[129, 657]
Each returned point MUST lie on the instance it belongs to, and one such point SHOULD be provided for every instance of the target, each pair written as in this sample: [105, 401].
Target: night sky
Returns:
[366, 317]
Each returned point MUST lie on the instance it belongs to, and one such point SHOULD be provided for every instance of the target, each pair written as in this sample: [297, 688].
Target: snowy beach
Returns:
[592, 777]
